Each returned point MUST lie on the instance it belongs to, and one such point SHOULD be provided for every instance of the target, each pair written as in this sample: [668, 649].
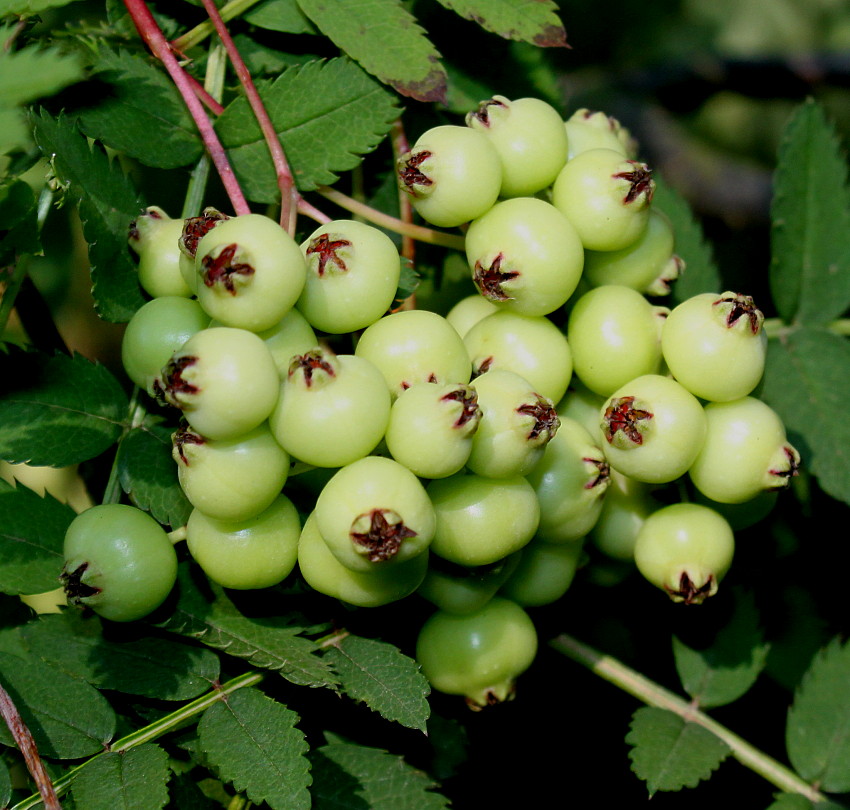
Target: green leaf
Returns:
[130, 780]
[32, 533]
[280, 15]
[794, 801]
[14, 133]
[58, 410]
[252, 741]
[669, 753]
[534, 21]
[5, 785]
[146, 117]
[326, 114]
[810, 214]
[29, 7]
[148, 474]
[724, 671]
[68, 718]
[108, 203]
[151, 667]
[806, 383]
[33, 72]
[818, 730]
[19, 215]
[268, 644]
[353, 776]
[380, 675]
[386, 40]
[700, 273]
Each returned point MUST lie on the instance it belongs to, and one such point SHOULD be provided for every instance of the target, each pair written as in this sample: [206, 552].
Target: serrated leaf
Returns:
[268, 644]
[280, 15]
[130, 780]
[534, 21]
[251, 741]
[19, 215]
[347, 776]
[32, 533]
[68, 718]
[107, 203]
[669, 753]
[326, 114]
[14, 133]
[700, 273]
[385, 679]
[149, 666]
[806, 383]
[818, 730]
[58, 410]
[724, 671]
[148, 474]
[383, 37]
[145, 117]
[810, 215]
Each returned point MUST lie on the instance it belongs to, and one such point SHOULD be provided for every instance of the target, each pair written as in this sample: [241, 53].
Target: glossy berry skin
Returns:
[118, 561]
[290, 336]
[250, 272]
[453, 174]
[352, 276]
[588, 129]
[529, 135]
[374, 513]
[323, 572]
[648, 265]
[605, 197]
[478, 655]
[745, 452]
[431, 427]
[468, 311]
[715, 345]
[461, 589]
[482, 520]
[158, 329]
[653, 429]
[224, 380]
[230, 479]
[685, 549]
[332, 409]
[154, 237]
[412, 346]
[544, 574]
[254, 553]
[524, 255]
[627, 505]
[613, 332]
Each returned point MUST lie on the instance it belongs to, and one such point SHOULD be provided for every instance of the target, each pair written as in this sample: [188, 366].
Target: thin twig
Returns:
[408, 244]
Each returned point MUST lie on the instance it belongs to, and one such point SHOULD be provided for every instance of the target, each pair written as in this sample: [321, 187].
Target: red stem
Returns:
[284, 175]
[154, 38]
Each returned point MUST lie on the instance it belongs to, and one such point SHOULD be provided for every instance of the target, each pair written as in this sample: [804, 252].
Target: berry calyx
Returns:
[378, 535]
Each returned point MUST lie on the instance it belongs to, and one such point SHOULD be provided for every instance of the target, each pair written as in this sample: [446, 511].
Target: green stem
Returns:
[152, 732]
[653, 694]
[393, 224]
[201, 31]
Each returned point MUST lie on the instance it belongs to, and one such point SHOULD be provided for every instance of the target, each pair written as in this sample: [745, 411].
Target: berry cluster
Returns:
[463, 457]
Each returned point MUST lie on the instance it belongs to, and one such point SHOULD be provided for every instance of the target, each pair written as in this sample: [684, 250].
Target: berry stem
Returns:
[201, 31]
[284, 176]
[656, 695]
[408, 245]
[151, 33]
[152, 732]
[418, 232]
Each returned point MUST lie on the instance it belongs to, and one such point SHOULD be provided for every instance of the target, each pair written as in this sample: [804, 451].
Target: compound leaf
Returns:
[148, 474]
[806, 383]
[68, 718]
[669, 753]
[280, 15]
[327, 114]
[32, 532]
[348, 775]
[534, 21]
[724, 671]
[818, 730]
[149, 666]
[108, 203]
[269, 644]
[145, 117]
[251, 740]
[386, 40]
[58, 410]
[380, 675]
[810, 214]
[129, 780]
